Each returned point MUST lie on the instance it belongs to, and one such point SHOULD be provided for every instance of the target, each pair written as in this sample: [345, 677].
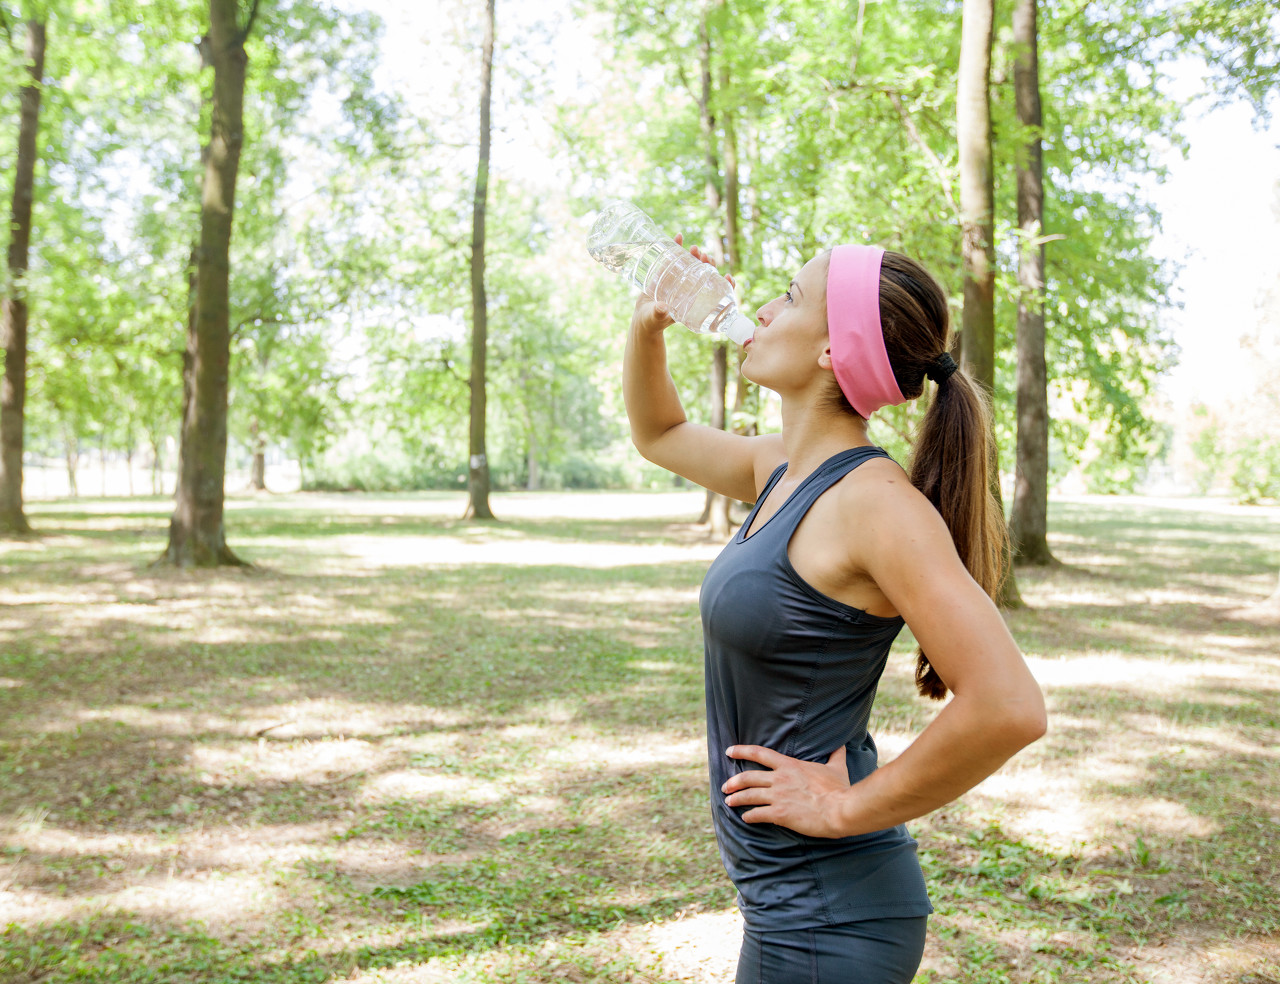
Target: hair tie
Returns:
[941, 368]
[858, 356]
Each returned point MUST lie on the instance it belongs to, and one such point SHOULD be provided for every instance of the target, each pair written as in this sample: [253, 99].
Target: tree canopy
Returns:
[349, 307]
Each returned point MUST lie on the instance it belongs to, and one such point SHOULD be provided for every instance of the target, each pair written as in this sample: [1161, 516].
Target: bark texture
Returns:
[13, 388]
[973, 133]
[258, 476]
[197, 535]
[716, 509]
[478, 483]
[1029, 519]
[977, 208]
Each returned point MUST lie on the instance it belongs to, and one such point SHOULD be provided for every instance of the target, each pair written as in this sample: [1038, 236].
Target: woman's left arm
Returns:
[997, 707]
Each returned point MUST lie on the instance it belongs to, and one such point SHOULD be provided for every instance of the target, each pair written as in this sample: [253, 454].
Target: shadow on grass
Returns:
[512, 694]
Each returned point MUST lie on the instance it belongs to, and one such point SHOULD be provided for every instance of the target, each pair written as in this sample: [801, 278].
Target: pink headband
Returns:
[853, 323]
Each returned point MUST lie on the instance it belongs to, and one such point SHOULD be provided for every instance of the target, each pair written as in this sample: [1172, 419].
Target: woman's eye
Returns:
[789, 298]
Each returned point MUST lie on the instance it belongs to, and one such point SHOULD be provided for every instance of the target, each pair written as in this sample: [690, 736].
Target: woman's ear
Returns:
[824, 360]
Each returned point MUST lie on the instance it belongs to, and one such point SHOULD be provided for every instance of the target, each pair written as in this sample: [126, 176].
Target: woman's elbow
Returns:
[1028, 721]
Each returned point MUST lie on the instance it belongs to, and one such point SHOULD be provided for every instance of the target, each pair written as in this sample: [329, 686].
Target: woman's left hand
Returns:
[803, 796]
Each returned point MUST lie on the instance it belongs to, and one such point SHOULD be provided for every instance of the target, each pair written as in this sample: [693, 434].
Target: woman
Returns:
[841, 550]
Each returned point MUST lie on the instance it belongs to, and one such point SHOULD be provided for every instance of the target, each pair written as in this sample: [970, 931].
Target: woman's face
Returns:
[789, 346]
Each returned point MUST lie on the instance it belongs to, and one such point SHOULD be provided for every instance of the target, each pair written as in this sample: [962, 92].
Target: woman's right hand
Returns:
[653, 317]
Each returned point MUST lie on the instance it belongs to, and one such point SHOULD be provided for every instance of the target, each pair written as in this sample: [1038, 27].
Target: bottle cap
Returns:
[739, 328]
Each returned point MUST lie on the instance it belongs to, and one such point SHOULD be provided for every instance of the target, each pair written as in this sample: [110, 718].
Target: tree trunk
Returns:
[534, 481]
[716, 509]
[733, 258]
[156, 442]
[197, 535]
[719, 380]
[13, 388]
[973, 133]
[977, 208]
[478, 504]
[1029, 521]
[258, 473]
[71, 445]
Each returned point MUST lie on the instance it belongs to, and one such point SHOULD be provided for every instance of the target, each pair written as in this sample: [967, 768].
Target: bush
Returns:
[1255, 472]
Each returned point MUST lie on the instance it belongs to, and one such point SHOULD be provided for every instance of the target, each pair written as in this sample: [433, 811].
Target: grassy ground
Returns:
[404, 748]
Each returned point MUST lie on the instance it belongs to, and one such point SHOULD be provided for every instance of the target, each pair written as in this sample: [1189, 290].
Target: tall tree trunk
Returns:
[197, 535]
[13, 388]
[1029, 519]
[71, 444]
[744, 387]
[733, 257]
[478, 472]
[258, 473]
[977, 208]
[973, 134]
[129, 449]
[716, 509]
[534, 479]
[156, 447]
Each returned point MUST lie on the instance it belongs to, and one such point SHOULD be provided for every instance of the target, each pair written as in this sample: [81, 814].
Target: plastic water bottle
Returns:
[627, 242]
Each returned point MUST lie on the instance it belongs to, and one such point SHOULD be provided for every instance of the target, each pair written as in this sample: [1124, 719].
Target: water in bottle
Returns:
[625, 240]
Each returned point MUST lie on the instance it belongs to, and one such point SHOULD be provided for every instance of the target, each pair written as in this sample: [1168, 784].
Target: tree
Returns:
[478, 466]
[197, 534]
[1028, 524]
[716, 509]
[977, 207]
[13, 388]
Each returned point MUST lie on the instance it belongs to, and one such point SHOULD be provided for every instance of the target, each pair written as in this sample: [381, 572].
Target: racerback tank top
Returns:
[794, 670]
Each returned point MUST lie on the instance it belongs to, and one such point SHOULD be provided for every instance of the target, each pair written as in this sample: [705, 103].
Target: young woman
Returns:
[841, 550]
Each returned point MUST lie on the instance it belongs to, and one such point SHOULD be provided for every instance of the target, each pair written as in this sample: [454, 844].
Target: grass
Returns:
[404, 748]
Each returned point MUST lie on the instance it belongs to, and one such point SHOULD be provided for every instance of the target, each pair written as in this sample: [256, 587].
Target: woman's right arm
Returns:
[732, 464]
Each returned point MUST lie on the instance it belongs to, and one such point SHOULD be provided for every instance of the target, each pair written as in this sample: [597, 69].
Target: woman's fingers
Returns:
[697, 251]
[758, 754]
[746, 780]
[752, 796]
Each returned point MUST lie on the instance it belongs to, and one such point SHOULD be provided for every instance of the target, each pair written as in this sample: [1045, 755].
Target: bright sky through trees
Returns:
[1216, 204]
[1220, 220]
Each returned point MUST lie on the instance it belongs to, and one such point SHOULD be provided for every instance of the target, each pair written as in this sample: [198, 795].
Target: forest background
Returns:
[350, 308]
[405, 746]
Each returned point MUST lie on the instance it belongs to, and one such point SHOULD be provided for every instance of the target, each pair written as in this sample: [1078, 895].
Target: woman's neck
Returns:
[812, 433]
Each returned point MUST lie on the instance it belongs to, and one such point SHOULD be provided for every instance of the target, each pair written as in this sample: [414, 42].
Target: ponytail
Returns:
[953, 459]
[952, 465]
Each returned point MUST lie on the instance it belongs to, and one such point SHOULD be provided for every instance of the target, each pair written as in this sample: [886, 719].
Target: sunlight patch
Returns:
[417, 551]
[220, 900]
[304, 761]
[1111, 668]
[427, 787]
[700, 946]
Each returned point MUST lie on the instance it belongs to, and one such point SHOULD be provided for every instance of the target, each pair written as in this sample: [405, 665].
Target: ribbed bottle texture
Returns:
[625, 240]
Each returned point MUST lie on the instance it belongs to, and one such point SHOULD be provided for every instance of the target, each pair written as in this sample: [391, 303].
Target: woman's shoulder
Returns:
[879, 488]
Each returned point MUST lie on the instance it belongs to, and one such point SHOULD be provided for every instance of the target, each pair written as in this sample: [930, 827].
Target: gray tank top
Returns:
[792, 669]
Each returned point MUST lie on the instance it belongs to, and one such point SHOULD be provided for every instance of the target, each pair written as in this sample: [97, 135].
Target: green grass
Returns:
[407, 748]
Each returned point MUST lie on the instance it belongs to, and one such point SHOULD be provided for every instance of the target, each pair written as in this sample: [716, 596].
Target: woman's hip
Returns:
[873, 951]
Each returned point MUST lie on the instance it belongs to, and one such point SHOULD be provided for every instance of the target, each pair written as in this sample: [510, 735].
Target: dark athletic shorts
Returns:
[876, 951]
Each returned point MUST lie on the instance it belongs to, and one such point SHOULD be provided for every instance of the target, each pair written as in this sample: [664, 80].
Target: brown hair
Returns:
[953, 455]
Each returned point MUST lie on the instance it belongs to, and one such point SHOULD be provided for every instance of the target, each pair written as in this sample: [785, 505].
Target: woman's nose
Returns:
[765, 314]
